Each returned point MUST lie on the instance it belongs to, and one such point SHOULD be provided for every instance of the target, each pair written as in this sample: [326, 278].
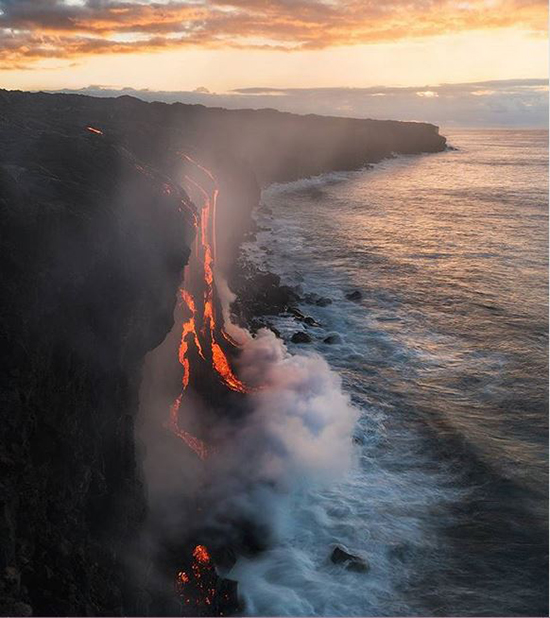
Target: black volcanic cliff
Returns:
[94, 239]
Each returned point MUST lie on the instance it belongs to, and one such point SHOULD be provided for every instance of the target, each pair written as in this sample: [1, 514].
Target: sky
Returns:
[467, 62]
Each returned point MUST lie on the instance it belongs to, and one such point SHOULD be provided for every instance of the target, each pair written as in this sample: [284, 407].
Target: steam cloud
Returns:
[296, 431]
[291, 429]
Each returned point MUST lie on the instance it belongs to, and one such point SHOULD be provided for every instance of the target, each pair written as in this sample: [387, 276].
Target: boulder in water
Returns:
[355, 295]
[349, 561]
[298, 315]
[311, 298]
[258, 323]
[310, 321]
[323, 302]
[300, 337]
[332, 339]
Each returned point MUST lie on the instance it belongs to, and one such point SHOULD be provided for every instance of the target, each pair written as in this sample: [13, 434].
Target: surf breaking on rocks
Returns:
[269, 424]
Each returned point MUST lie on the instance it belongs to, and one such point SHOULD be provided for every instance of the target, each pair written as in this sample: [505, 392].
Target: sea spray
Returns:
[297, 432]
[448, 500]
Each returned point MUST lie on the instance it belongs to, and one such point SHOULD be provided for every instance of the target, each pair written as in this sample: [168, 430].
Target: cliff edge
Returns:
[95, 237]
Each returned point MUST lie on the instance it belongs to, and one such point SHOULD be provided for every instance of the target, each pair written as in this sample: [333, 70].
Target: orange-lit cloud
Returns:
[31, 30]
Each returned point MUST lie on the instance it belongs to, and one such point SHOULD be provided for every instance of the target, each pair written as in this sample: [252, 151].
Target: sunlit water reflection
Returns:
[446, 355]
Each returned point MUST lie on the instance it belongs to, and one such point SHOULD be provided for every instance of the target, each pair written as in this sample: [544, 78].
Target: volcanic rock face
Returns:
[95, 237]
[276, 146]
[246, 149]
[300, 337]
[92, 251]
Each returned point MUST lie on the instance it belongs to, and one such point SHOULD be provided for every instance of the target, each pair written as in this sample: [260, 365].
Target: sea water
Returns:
[445, 356]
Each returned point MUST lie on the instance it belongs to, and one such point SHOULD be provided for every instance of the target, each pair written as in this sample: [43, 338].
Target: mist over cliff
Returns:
[96, 233]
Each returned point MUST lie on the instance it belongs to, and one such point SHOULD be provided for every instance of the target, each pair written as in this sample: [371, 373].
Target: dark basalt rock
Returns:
[349, 561]
[298, 315]
[310, 321]
[204, 592]
[94, 243]
[332, 339]
[274, 330]
[301, 337]
[311, 298]
[11, 607]
[260, 293]
[227, 601]
[355, 295]
[257, 324]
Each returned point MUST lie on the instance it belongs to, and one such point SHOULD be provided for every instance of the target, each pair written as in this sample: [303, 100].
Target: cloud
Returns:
[515, 102]
[32, 30]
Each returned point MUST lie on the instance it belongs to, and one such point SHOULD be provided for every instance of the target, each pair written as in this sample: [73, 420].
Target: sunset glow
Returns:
[227, 44]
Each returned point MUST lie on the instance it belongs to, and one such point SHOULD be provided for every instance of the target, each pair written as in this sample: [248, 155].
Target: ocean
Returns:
[445, 356]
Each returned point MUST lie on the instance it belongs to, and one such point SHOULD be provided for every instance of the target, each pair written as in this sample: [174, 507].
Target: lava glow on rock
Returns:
[201, 578]
[201, 327]
[199, 342]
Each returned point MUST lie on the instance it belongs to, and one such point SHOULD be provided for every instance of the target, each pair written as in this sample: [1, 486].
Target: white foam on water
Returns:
[443, 355]
[376, 509]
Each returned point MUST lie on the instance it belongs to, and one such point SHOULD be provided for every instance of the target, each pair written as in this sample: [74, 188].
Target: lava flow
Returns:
[202, 578]
[94, 130]
[201, 329]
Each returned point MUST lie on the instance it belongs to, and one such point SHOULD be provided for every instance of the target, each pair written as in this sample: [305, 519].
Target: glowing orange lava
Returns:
[182, 577]
[189, 328]
[192, 442]
[221, 365]
[199, 585]
[202, 262]
[200, 553]
[94, 130]
[229, 338]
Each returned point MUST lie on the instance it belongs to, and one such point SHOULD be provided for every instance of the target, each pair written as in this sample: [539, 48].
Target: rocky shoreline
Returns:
[96, 235]
[260, 296]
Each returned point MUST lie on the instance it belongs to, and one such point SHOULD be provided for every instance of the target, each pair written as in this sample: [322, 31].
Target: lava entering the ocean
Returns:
[201, 336]
[201, 328]
[199, 585]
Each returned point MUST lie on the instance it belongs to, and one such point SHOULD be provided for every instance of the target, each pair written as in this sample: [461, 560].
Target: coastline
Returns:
[87, 185]
[481, 484]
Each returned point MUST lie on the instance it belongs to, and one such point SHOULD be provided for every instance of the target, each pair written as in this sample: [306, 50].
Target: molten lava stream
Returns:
[188, 329]
[198, 586]
[200, 275]
[220, 362]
